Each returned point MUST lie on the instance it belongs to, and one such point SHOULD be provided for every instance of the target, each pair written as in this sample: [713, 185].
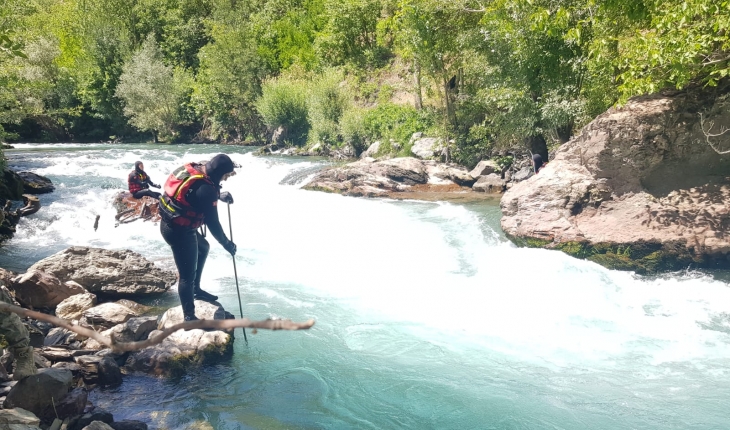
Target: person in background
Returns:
[140, 183]
[18, 341]
[537, 163]
[190, 200]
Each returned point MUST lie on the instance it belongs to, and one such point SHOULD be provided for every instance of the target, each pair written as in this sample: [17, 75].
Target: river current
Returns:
[426, 316]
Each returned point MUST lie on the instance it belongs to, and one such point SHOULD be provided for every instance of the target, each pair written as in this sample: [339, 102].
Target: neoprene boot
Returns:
[205, 296]
[24, 362]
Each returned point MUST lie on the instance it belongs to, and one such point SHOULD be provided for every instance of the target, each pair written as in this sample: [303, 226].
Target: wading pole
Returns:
[235, 272]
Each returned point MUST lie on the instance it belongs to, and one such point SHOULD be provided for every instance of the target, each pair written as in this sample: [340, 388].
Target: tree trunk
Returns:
[417, 82]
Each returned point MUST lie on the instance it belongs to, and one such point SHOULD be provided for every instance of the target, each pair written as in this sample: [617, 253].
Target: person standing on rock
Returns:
[537, 163]
[139, 183]
[16, 336]
[190, 199]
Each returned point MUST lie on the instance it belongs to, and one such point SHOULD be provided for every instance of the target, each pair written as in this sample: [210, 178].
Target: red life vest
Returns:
[175, 205]
[135, 180]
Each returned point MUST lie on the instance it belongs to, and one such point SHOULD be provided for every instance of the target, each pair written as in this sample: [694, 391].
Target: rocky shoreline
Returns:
[95, 288]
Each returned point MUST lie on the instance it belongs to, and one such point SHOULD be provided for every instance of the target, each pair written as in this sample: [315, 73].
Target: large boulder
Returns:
[638, 189]
[485, 167]
[491, 183]
[108, 272]
[70, 405]
[39, 289]
[36, 393]
[184, 347]
[36, 184]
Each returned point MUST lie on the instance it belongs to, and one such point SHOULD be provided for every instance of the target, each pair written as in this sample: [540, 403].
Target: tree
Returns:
[152, 92]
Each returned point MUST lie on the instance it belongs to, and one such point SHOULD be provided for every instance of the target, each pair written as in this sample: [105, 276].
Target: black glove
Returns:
[226, 197]
[154, 185]
[230, 247]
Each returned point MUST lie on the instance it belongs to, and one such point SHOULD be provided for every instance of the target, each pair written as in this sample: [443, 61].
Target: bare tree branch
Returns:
[708, 135]
[119, 347]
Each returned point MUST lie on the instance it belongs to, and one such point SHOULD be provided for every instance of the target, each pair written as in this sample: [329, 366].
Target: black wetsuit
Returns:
[142, 182]
[189, 247]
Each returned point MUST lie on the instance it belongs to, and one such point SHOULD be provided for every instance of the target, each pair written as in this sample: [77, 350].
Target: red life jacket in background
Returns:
[175, 206]
[136, 180]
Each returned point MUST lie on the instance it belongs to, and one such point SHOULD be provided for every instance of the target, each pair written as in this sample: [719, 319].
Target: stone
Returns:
[18, 419]
[426, 148]
[203, 310]
[60, 336]
[95, 415]
[11, 185]
[39, 289]
[89, 365]
[107, 315]
[70, 405]
[491, 183]
[115, 273]
[637, 189]
[34, 393]
[36, 184]
[485, 167]
[372, 150]
[97, 425]
[73, 307]
[72, 367]
[109, 372]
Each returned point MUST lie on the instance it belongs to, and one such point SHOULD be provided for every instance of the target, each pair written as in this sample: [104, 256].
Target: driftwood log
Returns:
[120, 347]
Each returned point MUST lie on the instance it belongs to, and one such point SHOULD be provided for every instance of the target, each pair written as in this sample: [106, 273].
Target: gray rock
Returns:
[426, 148]
[108, 315]
[372, 150]
[60, 336]
[71, 405]
[491, 183]
[36, 184]
[73, 307]
[523, 174]
[113, 273]
[109, 373]
[184, 348]
[72, 367]
[485, 167]
[97, 425]
[34, 393]
[38, 289]
[95, 415]
[18, 419]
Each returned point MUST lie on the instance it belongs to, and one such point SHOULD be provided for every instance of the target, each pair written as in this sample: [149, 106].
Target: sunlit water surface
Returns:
[427, 318]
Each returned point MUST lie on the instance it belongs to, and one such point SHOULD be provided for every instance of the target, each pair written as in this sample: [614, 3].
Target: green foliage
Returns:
[283, 103]
[352, 129]
[350, 33]
[228, 84]
[397, 122]
[326, 102]
[153, 92]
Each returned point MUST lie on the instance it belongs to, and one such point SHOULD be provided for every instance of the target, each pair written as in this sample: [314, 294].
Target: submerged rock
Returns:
[115, 273]
[638, 189]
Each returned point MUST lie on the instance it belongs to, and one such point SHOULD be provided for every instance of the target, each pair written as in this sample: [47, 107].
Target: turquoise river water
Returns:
[426, 316]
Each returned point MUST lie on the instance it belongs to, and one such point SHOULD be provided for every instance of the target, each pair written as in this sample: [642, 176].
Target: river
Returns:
[426, 316]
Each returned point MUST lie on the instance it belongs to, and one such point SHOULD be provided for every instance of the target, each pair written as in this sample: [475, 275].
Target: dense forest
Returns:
[484, 75]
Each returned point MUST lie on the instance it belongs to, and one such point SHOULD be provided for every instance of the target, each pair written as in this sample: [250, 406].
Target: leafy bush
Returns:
[283, 103]
[352, 129]
[397, 122]
[326, 103]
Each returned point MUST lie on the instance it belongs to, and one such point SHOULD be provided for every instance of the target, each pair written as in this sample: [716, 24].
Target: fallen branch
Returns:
[708, 134]
[120, 347]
